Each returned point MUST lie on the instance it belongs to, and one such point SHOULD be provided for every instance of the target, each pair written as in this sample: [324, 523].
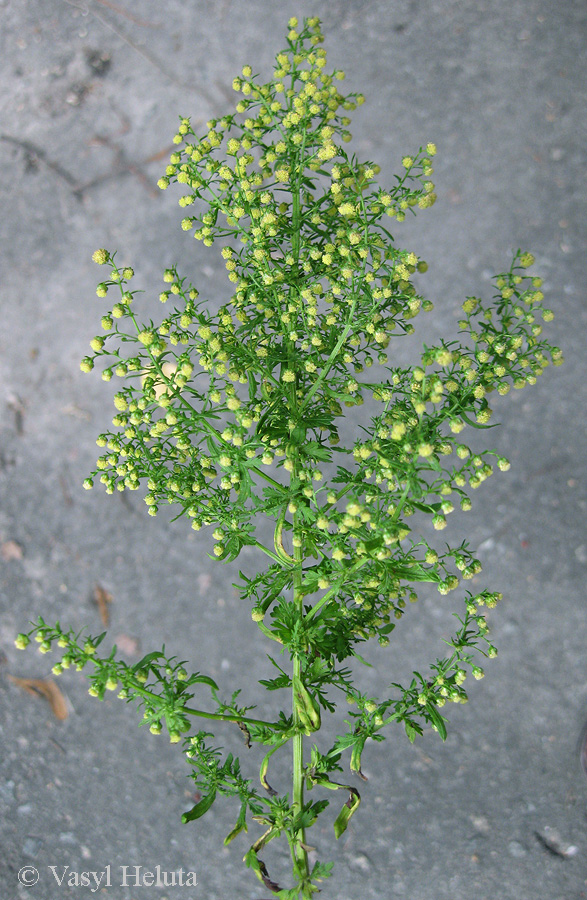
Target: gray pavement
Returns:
[90, 92]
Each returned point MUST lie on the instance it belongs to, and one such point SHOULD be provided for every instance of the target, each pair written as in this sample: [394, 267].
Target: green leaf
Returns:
[437, 720]
[202, 807]
[343, 818]
[350, 807]
[204, 679]
[355, 764]
[475, 424]
[360, 658]
[411, 730]
[146, 660]
[416, 573]
[241, 825]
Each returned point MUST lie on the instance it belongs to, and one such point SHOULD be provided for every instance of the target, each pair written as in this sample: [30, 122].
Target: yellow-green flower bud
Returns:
[100, 256]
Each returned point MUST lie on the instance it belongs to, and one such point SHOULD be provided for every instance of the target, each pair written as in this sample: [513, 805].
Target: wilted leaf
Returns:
[45, 687]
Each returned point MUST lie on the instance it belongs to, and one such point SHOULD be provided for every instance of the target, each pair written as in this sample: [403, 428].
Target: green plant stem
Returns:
[330, 361]
[298, 739]
[298, 851]
[222, 717]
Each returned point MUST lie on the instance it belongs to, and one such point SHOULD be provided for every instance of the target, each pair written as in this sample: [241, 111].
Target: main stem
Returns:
[300, 853]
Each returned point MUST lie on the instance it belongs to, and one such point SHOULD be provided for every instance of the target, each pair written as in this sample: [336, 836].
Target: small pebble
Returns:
[31, 846]
[551, 839]
[7, 791]
[516, 850]
[360, 862]
[67, 837]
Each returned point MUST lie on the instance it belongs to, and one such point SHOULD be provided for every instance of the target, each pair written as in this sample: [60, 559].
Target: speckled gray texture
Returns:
[90, 92]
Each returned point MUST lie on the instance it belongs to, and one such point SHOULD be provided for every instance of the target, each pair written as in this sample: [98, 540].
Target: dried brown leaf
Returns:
[10, 550]
[45, 687]
[127, 644]
[102, 599]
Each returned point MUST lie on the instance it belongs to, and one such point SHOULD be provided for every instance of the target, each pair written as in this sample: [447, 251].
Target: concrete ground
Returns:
[90, 92]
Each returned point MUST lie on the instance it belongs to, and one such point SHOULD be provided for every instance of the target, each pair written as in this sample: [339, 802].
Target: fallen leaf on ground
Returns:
[204, 582]
[10, 550]
[102, 599]
[127, 644]
[45, 687]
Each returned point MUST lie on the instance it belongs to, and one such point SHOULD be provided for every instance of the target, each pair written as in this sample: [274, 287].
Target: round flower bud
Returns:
[100, 256]
[22, 641]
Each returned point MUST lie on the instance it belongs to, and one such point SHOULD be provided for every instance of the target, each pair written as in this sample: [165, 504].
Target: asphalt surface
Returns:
[90, 92]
